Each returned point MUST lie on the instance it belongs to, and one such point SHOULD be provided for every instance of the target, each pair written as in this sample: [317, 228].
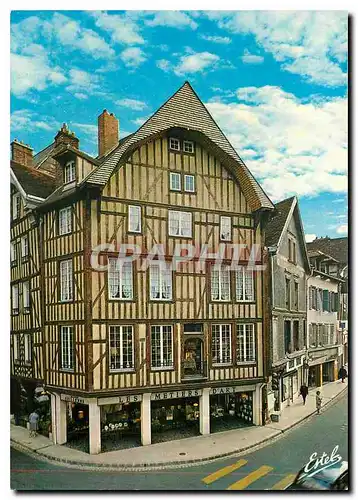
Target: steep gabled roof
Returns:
[336, 247]
[185, 110]
[33, 181]
[43, 155]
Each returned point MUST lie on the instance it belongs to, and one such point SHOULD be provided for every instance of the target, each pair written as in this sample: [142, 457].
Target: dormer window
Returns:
[174, 144]
[188, 147]
[69, 172]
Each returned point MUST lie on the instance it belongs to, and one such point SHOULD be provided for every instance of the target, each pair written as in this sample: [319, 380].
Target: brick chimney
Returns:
[65, 136]
[108, 132]
[21, 153]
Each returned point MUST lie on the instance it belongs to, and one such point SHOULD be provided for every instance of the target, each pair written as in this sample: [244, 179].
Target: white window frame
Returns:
[65, 221]
[16, 346]
[180, 216]
[166, 363]
[120, 279]
[24, 247]
[245, 278]
[175, 181]
[69, 172]
[28, 348]
[219, 329]
[187, 143]
[16, 202]
[218, 281]
[67, 348]
[66, 280]
[26, 296]
[134, 219]
[225, 232]
[172, 141]
[160, 282]
[13, 253]
[117, 342]
[246, 340]
[192, 179]
[15, 298]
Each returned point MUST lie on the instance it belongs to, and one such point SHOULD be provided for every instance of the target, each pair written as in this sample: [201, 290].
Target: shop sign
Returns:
[73, 399]
[157, 396]
[222, 390]
[133, 398]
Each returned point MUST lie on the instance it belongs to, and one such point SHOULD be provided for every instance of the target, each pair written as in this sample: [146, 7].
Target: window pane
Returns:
[188, 147]
[175, 183]
[225, 228]
[186, 224]
[120, 279]
[134, 219]
[189, 183]
[67, 347]
[65, 220]
[225, 283]
[156, 346]
[174, 143]
[174, 227]
[66, 279]
[221, 344]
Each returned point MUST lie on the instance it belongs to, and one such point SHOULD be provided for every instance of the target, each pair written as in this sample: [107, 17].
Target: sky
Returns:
[275, 82]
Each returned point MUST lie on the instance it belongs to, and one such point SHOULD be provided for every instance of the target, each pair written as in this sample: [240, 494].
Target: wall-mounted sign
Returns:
[114, 400]
[222, 390]
[73, 399]
[157, 396]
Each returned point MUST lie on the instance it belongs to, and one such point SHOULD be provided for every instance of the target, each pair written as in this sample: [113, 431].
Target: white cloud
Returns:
[139, 121]
[131, 103]
[309, 43]
[80, 95]
[121, 27]
[300, 145]
[216, 39]
[310, 237]
[25, 119]
[164, 65]
[196, 62]
[249, 58]
[133, 56]
[343, 229]
[172, 19]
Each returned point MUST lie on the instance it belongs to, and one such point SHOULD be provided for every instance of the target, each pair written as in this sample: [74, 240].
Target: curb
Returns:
[172, 464]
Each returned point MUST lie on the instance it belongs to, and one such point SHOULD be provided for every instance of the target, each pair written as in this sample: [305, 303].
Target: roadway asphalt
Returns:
[259, 470]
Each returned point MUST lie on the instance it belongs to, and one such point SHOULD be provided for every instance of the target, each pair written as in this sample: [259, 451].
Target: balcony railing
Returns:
[191, 369]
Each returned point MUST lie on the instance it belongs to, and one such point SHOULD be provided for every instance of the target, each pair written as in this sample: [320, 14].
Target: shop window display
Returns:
[176, 415]
[231, 410]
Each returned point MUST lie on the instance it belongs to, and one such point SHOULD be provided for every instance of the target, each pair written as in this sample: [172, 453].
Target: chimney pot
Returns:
[108, 132]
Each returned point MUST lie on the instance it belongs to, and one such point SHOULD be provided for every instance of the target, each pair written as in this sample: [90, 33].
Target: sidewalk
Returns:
[184, 451]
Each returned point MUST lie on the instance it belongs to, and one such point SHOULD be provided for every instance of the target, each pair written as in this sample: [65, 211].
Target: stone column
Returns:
[257, 407]
[94, 428]
[204, 409]
[58, 419]
[146, 420]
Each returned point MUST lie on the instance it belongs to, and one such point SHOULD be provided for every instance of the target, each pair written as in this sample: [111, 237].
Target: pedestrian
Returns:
[304, 392]
[33, 421]
[342, 373]
[318, 402]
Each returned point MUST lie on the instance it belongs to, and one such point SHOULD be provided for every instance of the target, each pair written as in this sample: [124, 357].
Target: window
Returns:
[15, 299]
[174, 144]
[296, 297]
[244, 284]
[134, 219]
[292, 251]
[69, 172]
[162, 346]
[175, 181]
[311, 336]
[160, 282]
[221, 344]
[121, 347]
[325, 337]
[66, 292]
[67, 361]
[16, 346]
[28, 352]
[310, 297]
[220, 283]
[325, 301]
[120, 280]
[65, 220]
[24, 248]
[26, 296]
[225, 228]
[245, 343]
[180, 224]
[319, 306]
[296, 335]
[13, 254]
[288, 293]
[287, 332]
[188, 147]
[189, 183]
[16, 206]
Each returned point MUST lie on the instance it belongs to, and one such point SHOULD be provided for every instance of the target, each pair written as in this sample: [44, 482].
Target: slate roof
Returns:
[185, 110]
[33, 181]
[336, 247]
[42, 156]
[277, 222]
[67, 147]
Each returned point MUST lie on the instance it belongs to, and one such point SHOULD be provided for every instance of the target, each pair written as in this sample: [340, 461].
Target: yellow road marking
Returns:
[223, 472]
[281, 485]
[250, 478]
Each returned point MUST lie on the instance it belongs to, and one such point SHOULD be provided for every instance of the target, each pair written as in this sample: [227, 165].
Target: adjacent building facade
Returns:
[142, 348]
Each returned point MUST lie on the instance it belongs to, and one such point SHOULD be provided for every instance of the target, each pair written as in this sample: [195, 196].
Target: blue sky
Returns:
[276, 83]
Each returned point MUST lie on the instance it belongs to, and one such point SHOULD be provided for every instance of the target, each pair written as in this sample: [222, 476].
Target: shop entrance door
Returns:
[193, 365]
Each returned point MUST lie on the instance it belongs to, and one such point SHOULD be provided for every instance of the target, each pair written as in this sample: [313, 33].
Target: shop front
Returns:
[174, 415]
[230, 408]
[77, 422]
[290, 386]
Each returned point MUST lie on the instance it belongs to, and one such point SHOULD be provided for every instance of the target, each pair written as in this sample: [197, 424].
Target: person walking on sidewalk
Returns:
[304, 392]
[342, 373]
[318, 402]
[33, 421]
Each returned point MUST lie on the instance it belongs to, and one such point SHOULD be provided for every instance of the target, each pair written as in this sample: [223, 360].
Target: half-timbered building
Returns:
[138, 344]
